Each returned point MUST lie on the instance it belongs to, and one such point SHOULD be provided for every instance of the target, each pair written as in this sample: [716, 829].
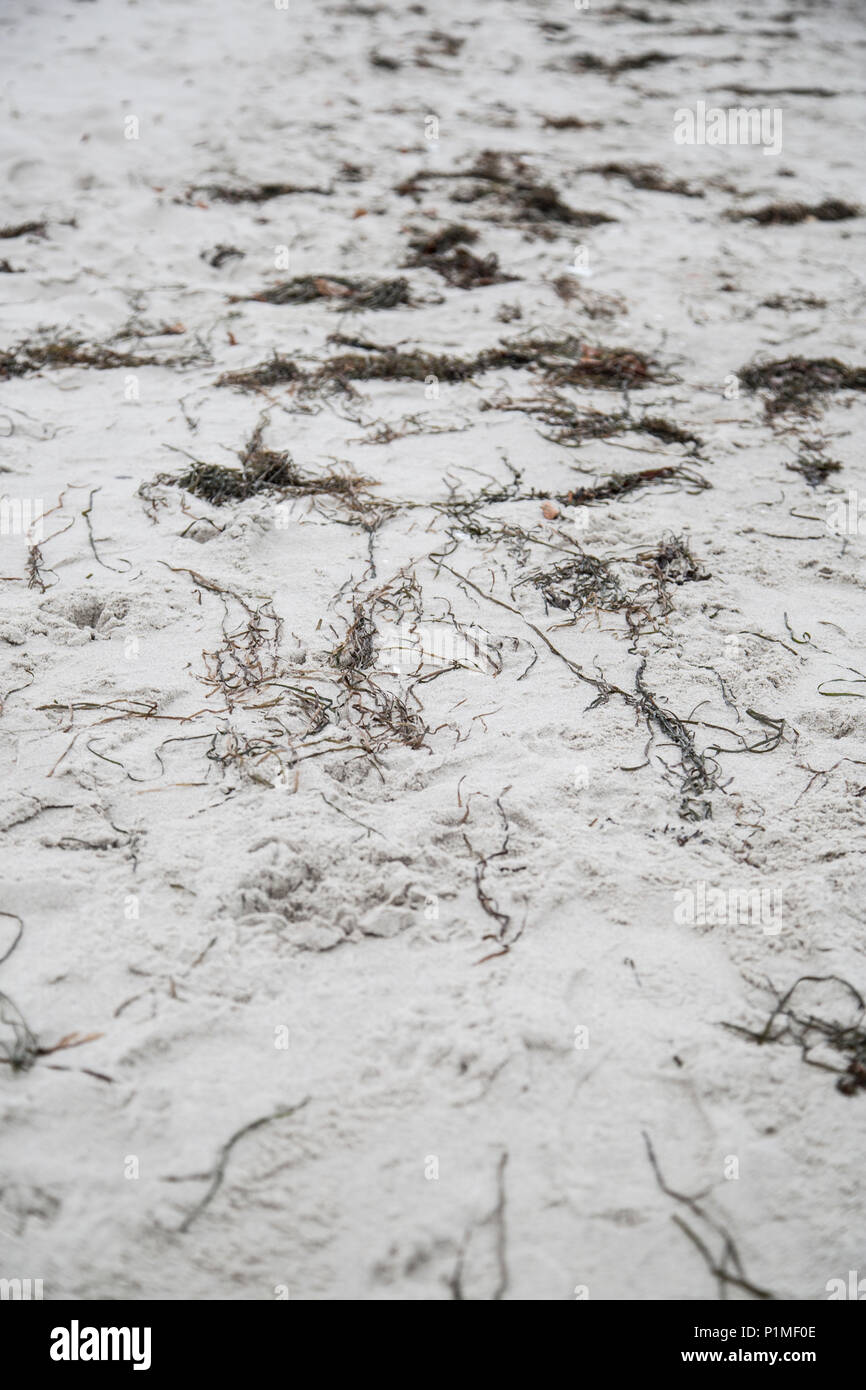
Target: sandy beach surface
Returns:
[432, 649]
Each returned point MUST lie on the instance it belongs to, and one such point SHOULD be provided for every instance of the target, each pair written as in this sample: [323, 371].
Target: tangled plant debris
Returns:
[251, 193]
[795, 1018]
[446, 252]
[262, 471]
[583, 582]
[813, 465]
[509, 183]
[610, 368]
[790, 302]
[674, 563]
[621, 484]
[23, 229]
[636, 62]
[345, 294]
[568, 424]
[49, 353]
[788, 214]
[218, 256]
[563, 360]
[569, 123]
[649, 177]
[796, 384]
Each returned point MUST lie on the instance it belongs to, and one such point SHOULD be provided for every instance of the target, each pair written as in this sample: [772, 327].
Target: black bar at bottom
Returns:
[63, 1339]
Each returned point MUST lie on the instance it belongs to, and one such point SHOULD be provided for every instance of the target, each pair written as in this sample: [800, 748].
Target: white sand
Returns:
[186, 912]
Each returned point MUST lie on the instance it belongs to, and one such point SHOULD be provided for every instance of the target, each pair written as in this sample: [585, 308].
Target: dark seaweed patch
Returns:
[674, 563]
[52, 353]
[346, 294]
[583, 582]
[445, 239]
[262, 471]
[812, 465]
[608, 368]
[446, 253]
[507, 181]
[566, 360]
[788, 214]
[666, 431]
[384, 61]
[437, 44]
[569, 123]
[23, 229]
[591, 62]
[220, 254]
[276, 371]
[567, 424]
[796, 384]
[741, 89]
[621, 484]
[790, 302]
[645, 177]
[253, 193]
